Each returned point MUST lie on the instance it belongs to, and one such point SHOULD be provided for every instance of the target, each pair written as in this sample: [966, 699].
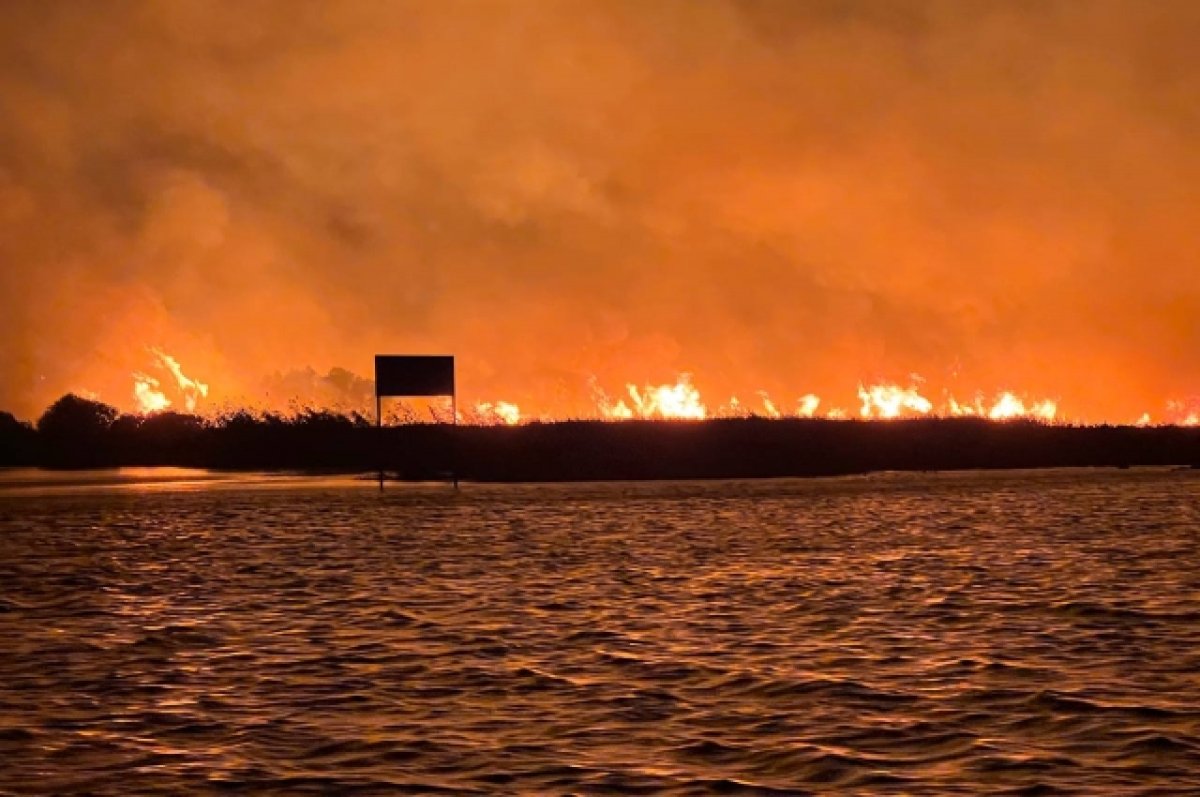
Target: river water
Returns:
[177, 632]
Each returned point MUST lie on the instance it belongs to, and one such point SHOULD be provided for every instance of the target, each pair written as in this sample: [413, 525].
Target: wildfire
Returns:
[808, 405]
[192, 390]
[881, 401]
[1184, 413]
[168, 386]
[149, 393]
[678, 401]
[1005, 407]
[500, 412]
[892, 401]
[769, 406]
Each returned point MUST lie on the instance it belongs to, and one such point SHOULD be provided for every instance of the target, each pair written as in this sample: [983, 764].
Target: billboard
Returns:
[414, 375]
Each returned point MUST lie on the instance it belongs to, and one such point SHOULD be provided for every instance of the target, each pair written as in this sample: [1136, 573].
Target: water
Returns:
[917, 634]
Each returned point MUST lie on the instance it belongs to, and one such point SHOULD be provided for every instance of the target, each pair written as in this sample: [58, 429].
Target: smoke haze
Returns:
[770, 195]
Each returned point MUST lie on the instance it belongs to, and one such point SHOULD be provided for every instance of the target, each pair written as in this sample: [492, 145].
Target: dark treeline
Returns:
[78, 433]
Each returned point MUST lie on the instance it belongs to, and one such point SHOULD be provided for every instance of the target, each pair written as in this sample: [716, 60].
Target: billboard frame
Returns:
[415, 375]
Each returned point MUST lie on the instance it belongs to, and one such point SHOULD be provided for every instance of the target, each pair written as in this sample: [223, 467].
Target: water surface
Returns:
[915, 634]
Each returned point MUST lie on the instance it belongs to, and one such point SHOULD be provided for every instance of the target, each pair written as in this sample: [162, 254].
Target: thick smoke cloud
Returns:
[776, 195]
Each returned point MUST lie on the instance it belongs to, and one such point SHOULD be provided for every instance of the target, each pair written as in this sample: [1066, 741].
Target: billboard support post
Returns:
[406, 375]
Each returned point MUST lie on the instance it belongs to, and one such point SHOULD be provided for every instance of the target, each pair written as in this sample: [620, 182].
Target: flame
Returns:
[733, 409]
[500, 412]
[192, 389]
[892, 401]
[150, 394]
[678, 401]
[1184, 413]
[880, 401]
[681, 400]
[618, 412]
[808, 405]
[147, 394]
[1004, 407]
[769, 406]
[1008, 406]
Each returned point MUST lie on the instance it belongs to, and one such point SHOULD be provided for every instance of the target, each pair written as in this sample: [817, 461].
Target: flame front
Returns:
[1005, 407]
[769, 406]
[1184, 413]
[149, 393]
[496, 413]
[879, 401]
[193, 390]
[892, 401]
[680, 401]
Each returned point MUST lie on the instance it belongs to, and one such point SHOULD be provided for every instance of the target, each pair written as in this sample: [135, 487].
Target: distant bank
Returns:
[79, 435]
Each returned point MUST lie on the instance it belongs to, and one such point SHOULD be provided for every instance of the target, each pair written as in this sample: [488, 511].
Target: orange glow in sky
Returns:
[800, 206]
[680, 400]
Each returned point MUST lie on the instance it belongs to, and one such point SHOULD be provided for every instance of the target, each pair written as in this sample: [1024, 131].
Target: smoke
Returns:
[769, 195]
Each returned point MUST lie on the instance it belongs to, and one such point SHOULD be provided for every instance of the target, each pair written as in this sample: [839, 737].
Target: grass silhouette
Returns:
[79, 433]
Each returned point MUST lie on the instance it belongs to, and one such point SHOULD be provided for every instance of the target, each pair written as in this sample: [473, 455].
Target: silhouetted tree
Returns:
[72, 415]
[18, 442]
[74, 431]
[81, 433]
[163, 438]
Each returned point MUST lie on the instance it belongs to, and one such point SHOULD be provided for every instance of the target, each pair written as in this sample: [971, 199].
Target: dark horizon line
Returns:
[79, 433]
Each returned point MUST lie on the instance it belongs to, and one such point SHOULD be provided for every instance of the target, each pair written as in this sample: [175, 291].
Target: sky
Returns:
[768, 195]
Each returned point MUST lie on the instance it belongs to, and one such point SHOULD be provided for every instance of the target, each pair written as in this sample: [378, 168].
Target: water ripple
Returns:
[1001, 633]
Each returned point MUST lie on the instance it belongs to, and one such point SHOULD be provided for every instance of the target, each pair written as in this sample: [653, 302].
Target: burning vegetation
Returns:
[78, 432]
[165, 386]
[650, 431]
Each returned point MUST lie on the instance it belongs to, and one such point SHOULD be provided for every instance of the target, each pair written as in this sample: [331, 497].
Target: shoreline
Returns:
[581, 451]
[33, 482]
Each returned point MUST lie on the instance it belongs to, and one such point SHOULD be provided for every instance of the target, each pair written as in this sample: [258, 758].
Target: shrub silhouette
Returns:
[77, 432]
[18, 442]
[73, 431]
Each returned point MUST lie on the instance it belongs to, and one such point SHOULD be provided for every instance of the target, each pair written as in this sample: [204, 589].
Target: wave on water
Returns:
[1002, 633]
